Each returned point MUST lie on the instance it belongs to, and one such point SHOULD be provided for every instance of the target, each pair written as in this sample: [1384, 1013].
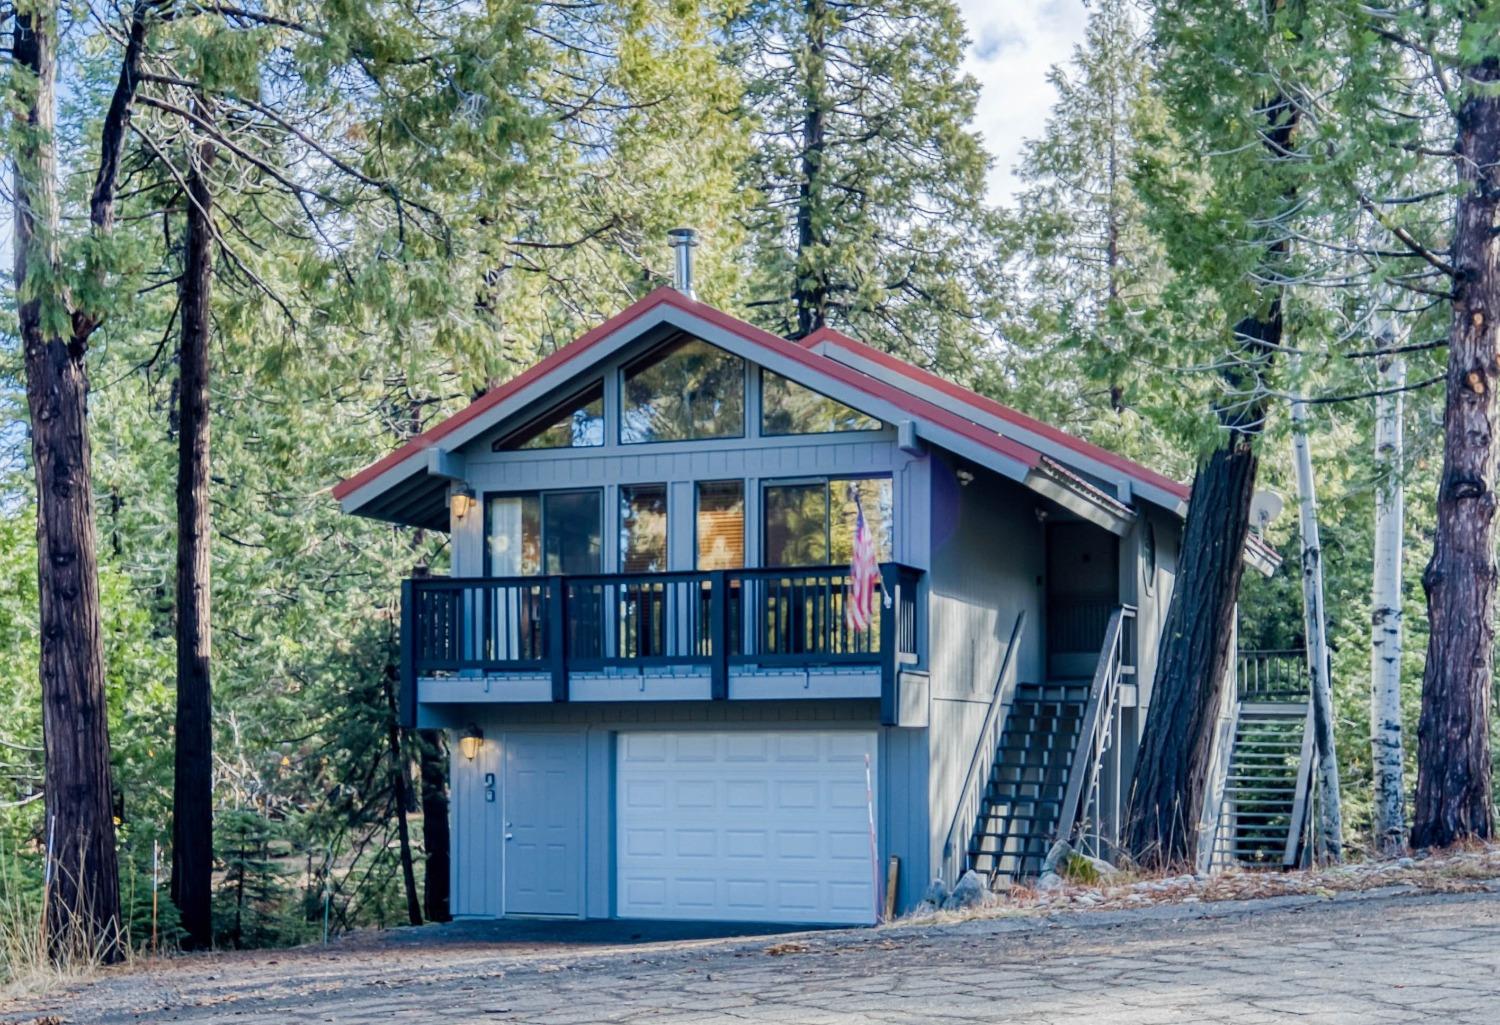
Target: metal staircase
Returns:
[1029, 779]
[1264, 810]
[1038, 773]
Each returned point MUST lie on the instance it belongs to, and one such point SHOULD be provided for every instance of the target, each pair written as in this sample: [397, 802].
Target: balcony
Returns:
[748, 634]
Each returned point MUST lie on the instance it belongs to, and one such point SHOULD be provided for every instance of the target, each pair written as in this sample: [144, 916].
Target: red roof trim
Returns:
[1103, 455]
[929, 411]
[495, 396]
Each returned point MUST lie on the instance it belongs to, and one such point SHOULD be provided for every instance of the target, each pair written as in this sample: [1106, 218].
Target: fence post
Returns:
[557, 626]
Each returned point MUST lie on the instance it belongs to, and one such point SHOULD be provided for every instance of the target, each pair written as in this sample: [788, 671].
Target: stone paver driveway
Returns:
[1393, 958]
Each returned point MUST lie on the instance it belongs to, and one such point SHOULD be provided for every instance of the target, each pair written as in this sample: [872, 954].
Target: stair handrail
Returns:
[1221, 752]
[1299, 823]
[988, 741]
[1092, 743]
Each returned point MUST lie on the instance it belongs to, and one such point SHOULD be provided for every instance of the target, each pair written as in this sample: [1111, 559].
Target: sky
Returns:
[1012, 44]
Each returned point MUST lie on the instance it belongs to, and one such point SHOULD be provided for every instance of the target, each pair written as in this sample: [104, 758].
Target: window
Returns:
[689, 390]
[812, 523]
[643, 528]
[551, 532]
[786, 407]
[721, 524]
[577, 423]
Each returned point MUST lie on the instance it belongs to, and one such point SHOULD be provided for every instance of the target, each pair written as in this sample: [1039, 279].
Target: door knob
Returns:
[509, 836]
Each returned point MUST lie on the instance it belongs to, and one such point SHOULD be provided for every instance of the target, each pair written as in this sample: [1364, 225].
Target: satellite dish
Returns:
[1265, 507]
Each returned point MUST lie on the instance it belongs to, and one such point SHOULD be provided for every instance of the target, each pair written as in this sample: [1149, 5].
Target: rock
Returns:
[1060, 850]
[937, 892]
[1405, 862]
[971, 891]
[1049, 882]
[1103, 867]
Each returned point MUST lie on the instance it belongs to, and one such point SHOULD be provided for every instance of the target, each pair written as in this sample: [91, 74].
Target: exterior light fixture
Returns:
[965, 478]
[462, 501]
[470, 741]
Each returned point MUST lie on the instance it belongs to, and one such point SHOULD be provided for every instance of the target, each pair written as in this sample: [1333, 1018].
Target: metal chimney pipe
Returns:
[683, 240]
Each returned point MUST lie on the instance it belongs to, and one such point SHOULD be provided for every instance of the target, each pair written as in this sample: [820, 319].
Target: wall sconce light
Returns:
[965, 478]
[461, 501]
[470, 741]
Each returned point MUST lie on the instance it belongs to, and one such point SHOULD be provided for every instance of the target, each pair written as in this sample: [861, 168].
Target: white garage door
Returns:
[744, 826]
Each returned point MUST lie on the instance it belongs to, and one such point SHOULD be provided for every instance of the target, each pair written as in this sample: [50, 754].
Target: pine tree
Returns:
[872, 217]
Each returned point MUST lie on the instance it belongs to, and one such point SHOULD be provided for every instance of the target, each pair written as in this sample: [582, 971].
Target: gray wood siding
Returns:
[987, 567]
[478, 864]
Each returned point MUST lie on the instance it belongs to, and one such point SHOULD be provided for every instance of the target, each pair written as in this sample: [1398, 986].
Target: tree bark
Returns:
[401, 796]
[810, 291]
[1453, 799]
[1330, 809]
[435, 836]
[1161, 826]
[1386, 743]
[192, 795]
[82, 896]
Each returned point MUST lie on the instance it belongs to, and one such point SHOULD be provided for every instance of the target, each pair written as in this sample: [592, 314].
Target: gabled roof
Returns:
[963, 421]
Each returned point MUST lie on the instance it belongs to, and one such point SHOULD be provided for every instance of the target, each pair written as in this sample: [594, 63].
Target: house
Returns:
[659, 704]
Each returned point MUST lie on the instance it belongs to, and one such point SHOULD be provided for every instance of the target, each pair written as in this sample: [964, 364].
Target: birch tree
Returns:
[1387, 747]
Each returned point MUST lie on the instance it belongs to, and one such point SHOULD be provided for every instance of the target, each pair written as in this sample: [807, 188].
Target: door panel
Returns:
[544, 804]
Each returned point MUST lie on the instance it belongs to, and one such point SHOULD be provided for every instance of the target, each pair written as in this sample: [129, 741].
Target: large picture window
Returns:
[721, 524]
[643, 528]
[688, 390]
[577, 423]
[787, 407]
[811, 523]
[545, 533]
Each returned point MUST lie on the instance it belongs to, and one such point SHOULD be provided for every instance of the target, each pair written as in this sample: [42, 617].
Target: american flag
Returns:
[864, 575]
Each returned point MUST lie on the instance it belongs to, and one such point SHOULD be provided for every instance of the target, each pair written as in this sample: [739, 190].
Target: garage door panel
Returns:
[773, 827]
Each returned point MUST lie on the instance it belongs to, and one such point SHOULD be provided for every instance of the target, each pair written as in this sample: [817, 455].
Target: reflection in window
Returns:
[577, 423]
[812, 524]
[789, 408]
[643, 528]
[721, 524]
[687, 390]
[554, 532]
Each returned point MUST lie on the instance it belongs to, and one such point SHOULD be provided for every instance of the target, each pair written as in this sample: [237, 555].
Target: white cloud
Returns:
[1012, 45]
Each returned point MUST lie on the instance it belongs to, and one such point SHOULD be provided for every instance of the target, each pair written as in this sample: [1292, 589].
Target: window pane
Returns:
[572, 531]
[873, 495]
[796, 524]
[578, 423]
[514, 530]
[643, 528]
[789, 408]
[689, 390]
[721, 524]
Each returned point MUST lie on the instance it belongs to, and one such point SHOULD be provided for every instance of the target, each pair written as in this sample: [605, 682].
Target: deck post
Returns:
[406, 695]
[557, 624]
[718, 634]
[890, 699]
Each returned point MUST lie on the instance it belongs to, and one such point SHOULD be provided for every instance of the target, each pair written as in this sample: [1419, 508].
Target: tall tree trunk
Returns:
[83, 897]
[435, 836]
[1386, 744]
[1330, 809]
[192, 794]
[401, 795]
[810, 291]
[1453, 755]
[1166, 797]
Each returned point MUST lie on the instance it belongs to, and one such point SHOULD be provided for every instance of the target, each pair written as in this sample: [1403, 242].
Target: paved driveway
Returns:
[1393, 958]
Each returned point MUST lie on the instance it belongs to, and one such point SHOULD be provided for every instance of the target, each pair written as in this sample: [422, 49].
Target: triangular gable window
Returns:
[787, 407]
[577, 423]
[684, 391]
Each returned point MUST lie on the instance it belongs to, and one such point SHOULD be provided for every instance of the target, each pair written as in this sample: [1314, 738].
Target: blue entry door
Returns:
[543, 838]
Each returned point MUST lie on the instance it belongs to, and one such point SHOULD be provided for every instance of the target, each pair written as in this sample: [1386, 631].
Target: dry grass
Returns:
[1468, 868]
[27, 967]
